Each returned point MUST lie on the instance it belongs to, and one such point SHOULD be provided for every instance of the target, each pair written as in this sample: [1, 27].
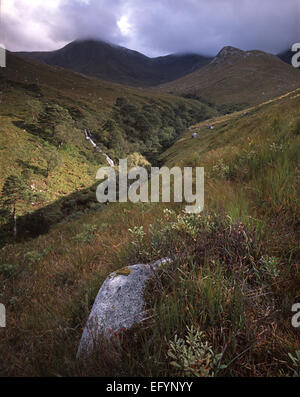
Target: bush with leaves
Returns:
[87, 235]
[193, 355]
[269, 266]
[295, 363]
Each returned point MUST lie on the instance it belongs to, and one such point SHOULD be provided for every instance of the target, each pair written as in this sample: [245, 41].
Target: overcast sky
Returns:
[153, 27]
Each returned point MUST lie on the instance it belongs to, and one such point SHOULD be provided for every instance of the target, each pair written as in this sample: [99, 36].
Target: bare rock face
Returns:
[118, 305]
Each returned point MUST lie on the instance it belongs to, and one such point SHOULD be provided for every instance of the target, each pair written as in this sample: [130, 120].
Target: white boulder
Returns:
[118, 305]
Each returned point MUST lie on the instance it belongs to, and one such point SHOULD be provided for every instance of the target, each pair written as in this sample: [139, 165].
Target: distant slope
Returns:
[236, 130]
[119, 64]
[237, 77]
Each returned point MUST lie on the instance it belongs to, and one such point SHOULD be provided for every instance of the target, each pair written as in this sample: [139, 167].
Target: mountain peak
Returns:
[227, 52]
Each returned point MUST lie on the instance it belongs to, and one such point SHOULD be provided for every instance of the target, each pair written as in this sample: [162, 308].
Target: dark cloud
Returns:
[154, 27]
[94, 18]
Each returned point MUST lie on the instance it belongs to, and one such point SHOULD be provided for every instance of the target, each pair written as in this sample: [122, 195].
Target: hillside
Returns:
[119, 64]
[235, 274]
[236, 77]
[44, 113]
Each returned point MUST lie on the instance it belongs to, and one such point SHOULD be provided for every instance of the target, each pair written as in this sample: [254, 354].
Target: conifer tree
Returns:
[14, 192]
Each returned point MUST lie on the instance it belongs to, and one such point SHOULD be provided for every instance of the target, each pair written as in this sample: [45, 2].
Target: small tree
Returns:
[14, 192]
[53, 117]
[116, 140]
[53, 161]
[35, 108]
[121, 101]
[167, 136]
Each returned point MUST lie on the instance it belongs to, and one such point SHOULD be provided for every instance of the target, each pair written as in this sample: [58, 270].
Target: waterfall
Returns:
[109, 160]
[90, 139]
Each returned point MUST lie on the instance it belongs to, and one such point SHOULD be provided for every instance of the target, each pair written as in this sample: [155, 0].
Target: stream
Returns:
[90, 139]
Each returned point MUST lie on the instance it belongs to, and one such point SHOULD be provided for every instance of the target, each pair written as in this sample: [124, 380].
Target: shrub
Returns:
[87, 235]
[270, 266]
[296, 128]
[137, 160]
[295, 363]
[8, 270]
[33, 257]
[220, 169]
[192, 355]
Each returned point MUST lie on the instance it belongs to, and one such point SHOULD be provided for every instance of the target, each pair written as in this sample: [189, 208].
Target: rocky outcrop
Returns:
[118, 305]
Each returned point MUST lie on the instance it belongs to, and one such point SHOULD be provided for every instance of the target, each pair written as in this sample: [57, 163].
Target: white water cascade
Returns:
[89, 138]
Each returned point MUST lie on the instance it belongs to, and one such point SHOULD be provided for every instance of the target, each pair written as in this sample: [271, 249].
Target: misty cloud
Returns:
[154, 27]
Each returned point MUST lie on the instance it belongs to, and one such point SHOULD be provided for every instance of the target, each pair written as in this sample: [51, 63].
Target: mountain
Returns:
[286, 56]
[236, 77]
[119, 64]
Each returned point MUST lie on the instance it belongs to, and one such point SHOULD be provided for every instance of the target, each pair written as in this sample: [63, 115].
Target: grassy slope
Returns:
[49, 284]
[249, 79]
[251, 162]
[233, 128]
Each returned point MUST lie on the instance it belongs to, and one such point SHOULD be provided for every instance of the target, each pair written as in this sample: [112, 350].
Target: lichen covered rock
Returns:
[118, 305]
